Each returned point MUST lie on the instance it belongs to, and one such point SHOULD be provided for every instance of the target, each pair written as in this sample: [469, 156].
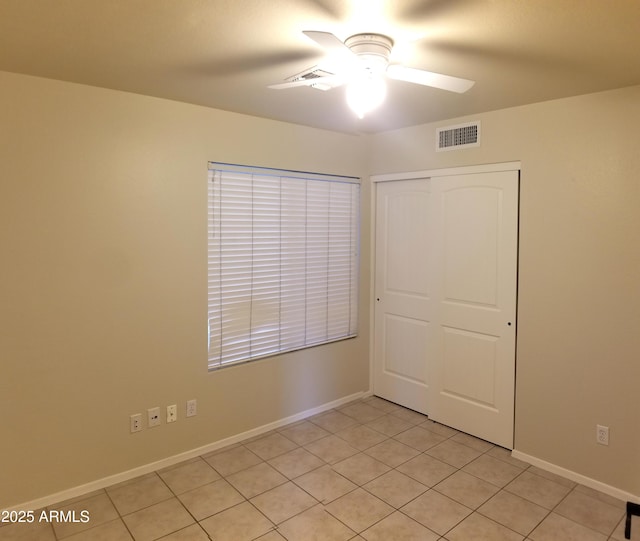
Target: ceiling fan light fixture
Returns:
[370, 45]
[362, 61]
[365, 93]
[368, 89]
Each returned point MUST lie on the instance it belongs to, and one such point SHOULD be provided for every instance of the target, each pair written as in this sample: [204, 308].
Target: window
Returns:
[283, 261]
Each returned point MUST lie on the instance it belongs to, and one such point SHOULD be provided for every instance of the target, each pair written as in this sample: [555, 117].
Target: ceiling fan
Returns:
[362, 62]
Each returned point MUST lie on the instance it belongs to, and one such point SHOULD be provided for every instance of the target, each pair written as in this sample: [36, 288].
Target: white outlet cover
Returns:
[192, 407]
[602, 434]
[153, 417]
[172, 414]
[135, 422]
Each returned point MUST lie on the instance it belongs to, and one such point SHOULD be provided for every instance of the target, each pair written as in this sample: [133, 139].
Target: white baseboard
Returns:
[577, 477]
[87, 488]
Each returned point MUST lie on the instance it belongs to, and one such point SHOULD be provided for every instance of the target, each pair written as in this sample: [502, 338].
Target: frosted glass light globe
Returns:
[365, 93]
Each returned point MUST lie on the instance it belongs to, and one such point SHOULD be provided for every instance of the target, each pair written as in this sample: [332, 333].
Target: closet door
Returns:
[403, 303]
[445, 299]
[472, 376]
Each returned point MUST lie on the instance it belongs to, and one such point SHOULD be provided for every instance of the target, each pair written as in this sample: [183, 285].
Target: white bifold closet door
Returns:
[445, 299]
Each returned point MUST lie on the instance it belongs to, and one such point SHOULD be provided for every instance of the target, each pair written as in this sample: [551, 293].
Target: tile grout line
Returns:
[334, 432]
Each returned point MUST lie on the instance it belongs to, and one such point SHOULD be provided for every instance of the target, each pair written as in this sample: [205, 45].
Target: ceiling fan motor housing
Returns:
[372, 49]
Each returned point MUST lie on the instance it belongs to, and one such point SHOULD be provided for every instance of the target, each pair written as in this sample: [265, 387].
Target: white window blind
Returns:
[283, 261]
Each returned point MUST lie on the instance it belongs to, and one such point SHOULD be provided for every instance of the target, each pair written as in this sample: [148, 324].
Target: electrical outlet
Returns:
[192, 407]
[602, 434]
[153, 417]
[135, 422]
[172, 414]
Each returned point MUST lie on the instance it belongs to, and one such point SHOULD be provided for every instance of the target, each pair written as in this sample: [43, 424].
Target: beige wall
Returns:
[578, 351]
[102, 278]
[103, 282]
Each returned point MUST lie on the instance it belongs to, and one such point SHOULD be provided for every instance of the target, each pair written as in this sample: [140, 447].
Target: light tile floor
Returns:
[370, 470]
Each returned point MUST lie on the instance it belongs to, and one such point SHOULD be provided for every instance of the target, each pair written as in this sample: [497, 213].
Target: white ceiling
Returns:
[224, 53]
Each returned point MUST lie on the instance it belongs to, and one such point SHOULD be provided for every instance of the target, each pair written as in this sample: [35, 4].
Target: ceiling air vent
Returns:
[456, 137]
[310, 74]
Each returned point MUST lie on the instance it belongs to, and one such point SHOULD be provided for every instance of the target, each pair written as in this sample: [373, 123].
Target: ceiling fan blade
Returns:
[233, 65]
[422, 9]
[429, 78]
[329, 41]
[512, 58]
[322, 83]
[330, 8]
